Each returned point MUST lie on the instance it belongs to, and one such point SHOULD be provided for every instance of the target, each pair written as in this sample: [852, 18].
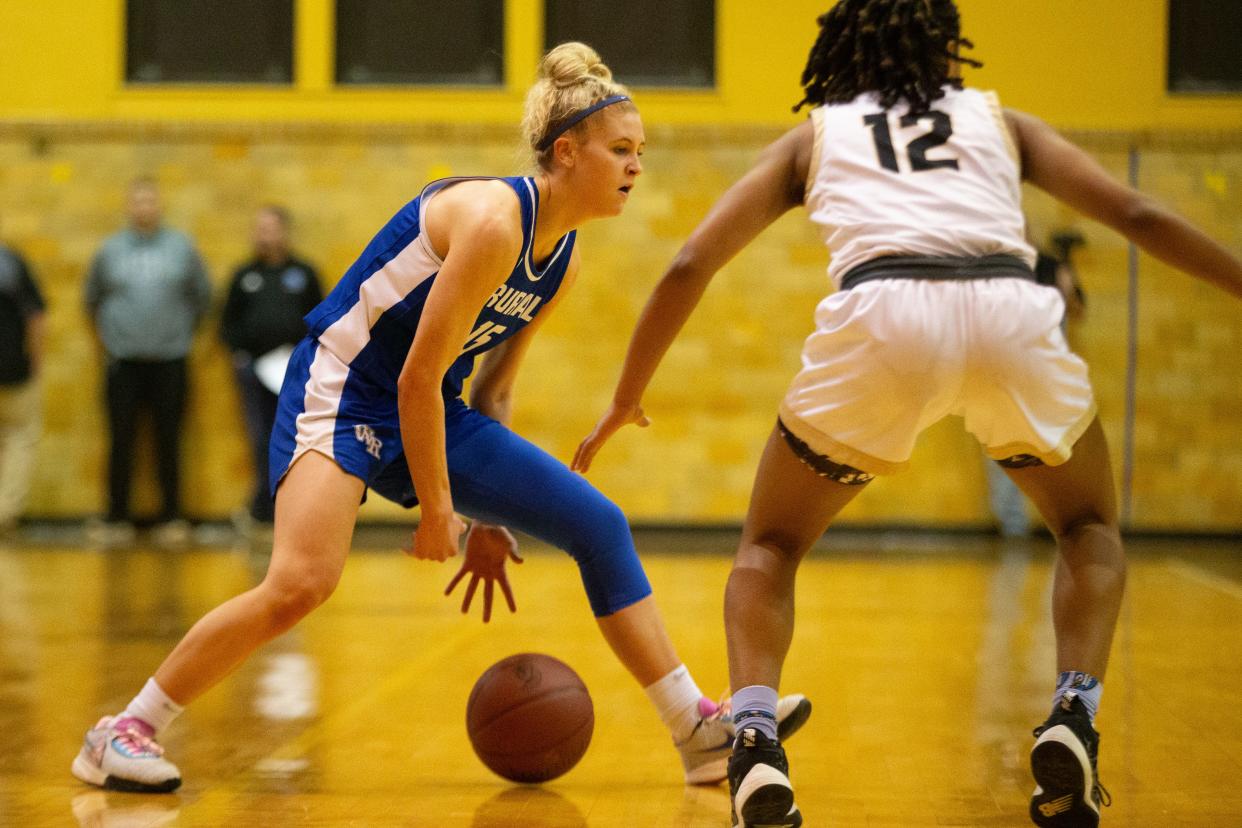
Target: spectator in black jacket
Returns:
[262, 321]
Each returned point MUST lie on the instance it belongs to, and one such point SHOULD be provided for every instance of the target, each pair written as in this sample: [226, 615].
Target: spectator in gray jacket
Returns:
[145, 293]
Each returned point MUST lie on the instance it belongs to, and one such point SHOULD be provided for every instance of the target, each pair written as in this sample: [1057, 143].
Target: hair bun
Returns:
[571, 63]
[571, 77]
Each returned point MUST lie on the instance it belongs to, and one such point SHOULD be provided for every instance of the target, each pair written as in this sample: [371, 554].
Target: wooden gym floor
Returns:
[929, 660]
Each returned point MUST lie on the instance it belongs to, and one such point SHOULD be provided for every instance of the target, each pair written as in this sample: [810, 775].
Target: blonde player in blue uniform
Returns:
[372, 399]
[915, 183]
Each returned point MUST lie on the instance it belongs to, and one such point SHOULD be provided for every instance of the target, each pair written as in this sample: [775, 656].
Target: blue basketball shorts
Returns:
[494, 475]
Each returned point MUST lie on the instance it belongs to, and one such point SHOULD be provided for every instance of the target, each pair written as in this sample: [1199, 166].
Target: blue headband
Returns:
[576, 118]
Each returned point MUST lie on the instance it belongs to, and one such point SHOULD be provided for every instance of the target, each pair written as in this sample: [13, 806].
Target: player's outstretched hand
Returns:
[616, 416]
[487, 549]
[436, 540]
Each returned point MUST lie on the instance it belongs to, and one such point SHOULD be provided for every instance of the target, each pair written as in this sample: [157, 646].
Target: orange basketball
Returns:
[530, 718]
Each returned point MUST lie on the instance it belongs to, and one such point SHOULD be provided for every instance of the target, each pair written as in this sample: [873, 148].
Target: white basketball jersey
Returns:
[946, 182]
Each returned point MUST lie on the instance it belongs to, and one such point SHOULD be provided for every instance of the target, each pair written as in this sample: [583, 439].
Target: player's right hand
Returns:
[436, 537]
[487, 549]
[614, 418]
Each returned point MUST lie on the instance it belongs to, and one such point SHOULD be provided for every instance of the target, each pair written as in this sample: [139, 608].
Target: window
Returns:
[221, 41]
[420, 42]
[1204, 36]
[644, 42]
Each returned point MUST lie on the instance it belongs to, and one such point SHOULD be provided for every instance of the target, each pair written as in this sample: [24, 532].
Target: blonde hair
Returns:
[571, 77]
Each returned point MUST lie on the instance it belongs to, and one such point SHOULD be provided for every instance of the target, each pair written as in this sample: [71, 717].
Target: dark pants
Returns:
[259, 412]
[159, 387]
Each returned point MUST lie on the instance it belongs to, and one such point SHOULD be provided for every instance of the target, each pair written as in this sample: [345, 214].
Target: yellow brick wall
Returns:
[72, 133]
[714, 400]
[1188, 444]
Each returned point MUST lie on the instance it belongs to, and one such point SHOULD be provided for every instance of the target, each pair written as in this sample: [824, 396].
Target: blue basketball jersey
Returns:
[339, 400]
[369, 319]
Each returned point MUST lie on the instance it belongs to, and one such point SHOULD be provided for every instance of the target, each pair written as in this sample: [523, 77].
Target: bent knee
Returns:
[1086, 524]
[289, 599]
[598, 528]
[785, 545]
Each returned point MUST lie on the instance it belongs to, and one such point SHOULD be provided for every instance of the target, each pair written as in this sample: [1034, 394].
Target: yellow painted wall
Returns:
[344, 160]
[1081, 65]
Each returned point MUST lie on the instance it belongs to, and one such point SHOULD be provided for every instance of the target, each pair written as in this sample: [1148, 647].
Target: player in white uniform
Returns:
[914, 181]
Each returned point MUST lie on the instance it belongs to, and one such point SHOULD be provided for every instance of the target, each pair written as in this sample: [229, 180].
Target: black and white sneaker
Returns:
[759, 786]
[1063, 762]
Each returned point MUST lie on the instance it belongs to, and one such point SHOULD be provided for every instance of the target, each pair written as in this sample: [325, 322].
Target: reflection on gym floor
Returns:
[929, 660]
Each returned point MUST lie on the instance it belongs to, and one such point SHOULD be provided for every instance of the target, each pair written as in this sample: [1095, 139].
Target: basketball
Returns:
[530, 718]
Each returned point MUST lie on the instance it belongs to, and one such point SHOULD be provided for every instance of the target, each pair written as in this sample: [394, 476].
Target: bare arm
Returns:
[1070, 175]
[481, 237]
[763, 195]
[489, 547]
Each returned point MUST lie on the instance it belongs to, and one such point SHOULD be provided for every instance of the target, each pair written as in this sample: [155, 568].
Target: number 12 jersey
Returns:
[945, 182]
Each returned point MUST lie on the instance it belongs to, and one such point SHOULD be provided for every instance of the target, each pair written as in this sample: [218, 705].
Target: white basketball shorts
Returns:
[891, 357]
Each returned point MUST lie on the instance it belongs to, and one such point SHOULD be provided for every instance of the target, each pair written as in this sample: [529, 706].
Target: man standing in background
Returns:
[262, 321]
[22, 329]
[145, 293]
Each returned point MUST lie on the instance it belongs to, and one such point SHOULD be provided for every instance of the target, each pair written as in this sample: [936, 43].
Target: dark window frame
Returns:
[492, 46]
[622, 65]
[142, 49]
[1181, 59]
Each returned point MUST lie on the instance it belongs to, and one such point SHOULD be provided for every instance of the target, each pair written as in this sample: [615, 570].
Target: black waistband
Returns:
[938, 269]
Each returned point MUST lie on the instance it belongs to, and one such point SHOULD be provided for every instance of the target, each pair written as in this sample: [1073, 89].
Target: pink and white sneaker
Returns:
[705, 752]
[121, 754]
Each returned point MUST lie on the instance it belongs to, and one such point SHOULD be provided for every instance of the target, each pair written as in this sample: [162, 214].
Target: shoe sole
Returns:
[1062, 770]
[87, 771]
[767, 800]
[792, 723]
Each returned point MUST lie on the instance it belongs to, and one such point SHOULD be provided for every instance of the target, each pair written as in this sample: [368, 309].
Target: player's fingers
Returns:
[474, 584]
[579, 463]
[487, 601]
[515, 557]
[504, 587]
[586, 453]
[461, 573]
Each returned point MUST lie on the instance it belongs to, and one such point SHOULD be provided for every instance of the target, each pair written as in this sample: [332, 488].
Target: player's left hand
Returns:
[614, 418]
[487, 549]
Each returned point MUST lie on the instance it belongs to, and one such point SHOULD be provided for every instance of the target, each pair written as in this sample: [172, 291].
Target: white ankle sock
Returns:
[153, 706]
[676, 698]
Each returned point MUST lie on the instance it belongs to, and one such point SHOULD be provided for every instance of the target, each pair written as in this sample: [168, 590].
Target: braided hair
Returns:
[900, 49]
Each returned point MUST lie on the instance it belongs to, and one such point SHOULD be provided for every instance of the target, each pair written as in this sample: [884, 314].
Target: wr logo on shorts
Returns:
[365, 434]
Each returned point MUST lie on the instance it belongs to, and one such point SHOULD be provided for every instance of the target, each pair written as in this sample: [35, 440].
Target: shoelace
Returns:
[723, 709]
[133, 737]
